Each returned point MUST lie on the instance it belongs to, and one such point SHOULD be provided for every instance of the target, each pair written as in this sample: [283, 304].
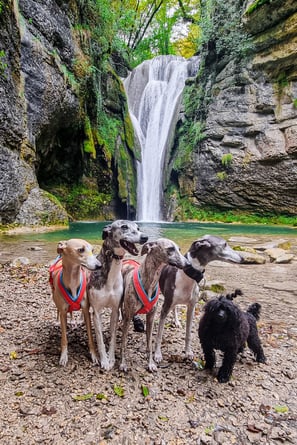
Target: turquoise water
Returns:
[186, 231]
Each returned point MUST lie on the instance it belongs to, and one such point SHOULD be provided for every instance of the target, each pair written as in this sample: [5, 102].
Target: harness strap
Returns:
[73, 301]
[147, 303]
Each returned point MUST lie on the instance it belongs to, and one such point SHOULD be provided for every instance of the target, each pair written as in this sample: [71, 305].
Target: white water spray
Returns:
[154, 91]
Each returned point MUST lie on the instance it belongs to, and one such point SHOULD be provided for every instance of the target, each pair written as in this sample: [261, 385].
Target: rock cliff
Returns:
[52, 90]
[247, 159]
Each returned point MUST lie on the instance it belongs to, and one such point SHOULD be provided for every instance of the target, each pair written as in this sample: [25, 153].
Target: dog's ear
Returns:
[61, 246]
[202, 243]
[106, 232]
[147, 247]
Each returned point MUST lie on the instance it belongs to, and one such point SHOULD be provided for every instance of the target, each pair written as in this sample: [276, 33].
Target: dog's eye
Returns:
[124, 227]
[170, 250]
[81, 250]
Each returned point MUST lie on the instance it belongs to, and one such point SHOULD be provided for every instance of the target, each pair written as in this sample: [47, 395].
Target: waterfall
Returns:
[154, 91]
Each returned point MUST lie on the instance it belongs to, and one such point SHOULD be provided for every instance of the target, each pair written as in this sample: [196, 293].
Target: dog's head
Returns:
[124, 233]
[211, 248]
[222, 313]
[165, 251]
[79, 252]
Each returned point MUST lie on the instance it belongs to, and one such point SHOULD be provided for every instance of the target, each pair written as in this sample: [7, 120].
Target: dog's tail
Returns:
[234, 294]
[255, 310]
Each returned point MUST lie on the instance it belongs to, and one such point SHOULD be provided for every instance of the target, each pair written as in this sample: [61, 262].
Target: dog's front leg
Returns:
[152, 367]
[190, 316]
[226, 369]
[209, 356]
[100, 340]
[92, 349]
[64, 344]
[125, 329]
[114, 319]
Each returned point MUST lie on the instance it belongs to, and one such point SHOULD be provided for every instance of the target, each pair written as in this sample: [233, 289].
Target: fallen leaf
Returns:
[19, 393]
[13, 355]
[101, 396]
[119, 390]
[163, 418]
[87, 396]
[253, 429]
[281, 409]
[145, 390]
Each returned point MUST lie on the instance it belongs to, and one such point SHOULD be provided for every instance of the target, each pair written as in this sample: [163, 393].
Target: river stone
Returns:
[252, 258]
[285, 258]
[275, 252]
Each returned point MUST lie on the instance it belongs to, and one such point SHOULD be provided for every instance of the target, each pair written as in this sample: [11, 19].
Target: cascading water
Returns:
[154, 91]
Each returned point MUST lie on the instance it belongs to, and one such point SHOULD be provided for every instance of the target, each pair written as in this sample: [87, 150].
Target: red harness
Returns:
[147, 303]
[73, 301]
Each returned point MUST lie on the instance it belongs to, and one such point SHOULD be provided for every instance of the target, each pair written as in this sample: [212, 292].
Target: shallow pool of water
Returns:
[41, 247]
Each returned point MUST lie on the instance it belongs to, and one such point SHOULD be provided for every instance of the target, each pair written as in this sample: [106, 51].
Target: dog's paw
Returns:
[104, 363]
[94, 358]
[158, 356]
[123, 367]
[189, 355]
[152, 367]
[63, 358]
[223, 377]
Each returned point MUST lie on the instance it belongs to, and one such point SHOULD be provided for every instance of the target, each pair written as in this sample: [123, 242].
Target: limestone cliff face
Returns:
[49, 100]
[248, 158]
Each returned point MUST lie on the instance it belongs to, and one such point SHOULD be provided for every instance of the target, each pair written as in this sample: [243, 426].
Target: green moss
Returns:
[187, 210]
[126, 177]
[129, 133]
[227, 159]
[295, 103]
[221, 176]
[89, 143]
[83, 202]
[256, 4]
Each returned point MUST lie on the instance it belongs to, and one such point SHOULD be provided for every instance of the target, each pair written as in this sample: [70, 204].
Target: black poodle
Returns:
[226, 327]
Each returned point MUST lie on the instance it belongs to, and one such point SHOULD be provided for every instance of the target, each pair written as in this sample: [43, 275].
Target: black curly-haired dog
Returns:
[224, 326]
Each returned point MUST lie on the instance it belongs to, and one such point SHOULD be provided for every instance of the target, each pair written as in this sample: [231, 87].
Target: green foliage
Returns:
[118, 390]
[282, 80]
[192, 134]
[3, 64]
[82, 202]
[188, 211]
[221, 176]
[295, 102]
[89, 143]
[222, 33]
[227, 159]
[256, 4]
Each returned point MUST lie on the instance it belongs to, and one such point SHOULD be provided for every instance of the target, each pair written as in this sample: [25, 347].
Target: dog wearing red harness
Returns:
[141, 290]
[68, 280]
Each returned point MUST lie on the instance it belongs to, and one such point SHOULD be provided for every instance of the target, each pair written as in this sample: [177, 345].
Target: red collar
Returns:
[73, 301]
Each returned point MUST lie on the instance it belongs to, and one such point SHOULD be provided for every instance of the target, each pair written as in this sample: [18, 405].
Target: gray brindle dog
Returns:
[105, 289]
[158, 253]
[179, 288]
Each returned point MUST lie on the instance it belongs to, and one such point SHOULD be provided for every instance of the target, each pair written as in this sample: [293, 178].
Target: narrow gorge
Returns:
[66, 136]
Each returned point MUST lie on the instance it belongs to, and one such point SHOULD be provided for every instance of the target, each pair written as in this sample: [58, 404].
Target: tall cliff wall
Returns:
[247, 159]
[52, 90]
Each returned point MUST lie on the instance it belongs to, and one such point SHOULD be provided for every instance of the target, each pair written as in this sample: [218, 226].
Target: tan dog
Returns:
[68, 279]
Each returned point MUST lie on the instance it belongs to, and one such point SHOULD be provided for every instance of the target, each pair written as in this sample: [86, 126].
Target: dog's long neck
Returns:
[150, 271]
[71, 276]
[110, 257]
[197, 263]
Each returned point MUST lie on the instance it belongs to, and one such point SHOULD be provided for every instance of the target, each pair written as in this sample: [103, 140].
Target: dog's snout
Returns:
[143, 239]
[221, 314]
